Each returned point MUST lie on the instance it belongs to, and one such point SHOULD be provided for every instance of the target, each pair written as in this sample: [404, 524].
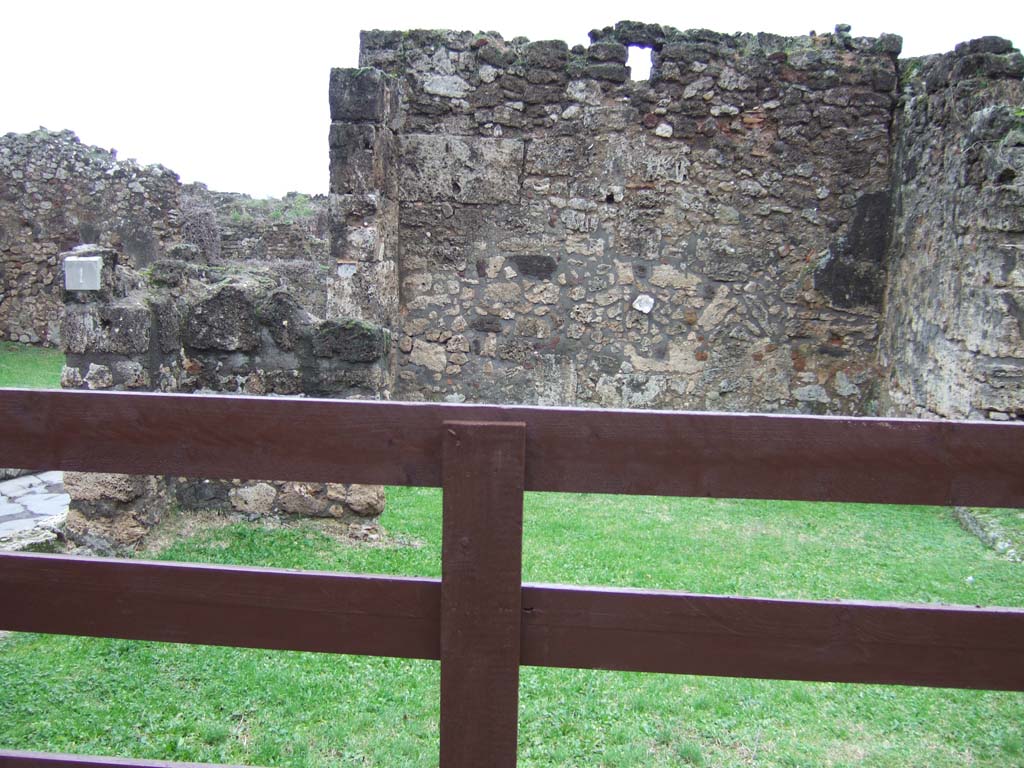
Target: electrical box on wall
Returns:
[82, 273]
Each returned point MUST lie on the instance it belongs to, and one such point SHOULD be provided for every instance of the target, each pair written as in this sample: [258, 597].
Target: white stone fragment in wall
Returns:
[643, 303]
[451, 86]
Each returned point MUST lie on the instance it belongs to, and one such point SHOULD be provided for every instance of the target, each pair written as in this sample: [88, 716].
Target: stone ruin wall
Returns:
[953, 344]
[55, 193]
[202, 291]
[767, 224]
[712, 238]
[181, 325]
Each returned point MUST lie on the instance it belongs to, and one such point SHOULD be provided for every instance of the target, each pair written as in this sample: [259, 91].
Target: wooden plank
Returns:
[481, 577]
[13, 758]
[630, 452]
[851, 642]
[220, 605]
[583, 627]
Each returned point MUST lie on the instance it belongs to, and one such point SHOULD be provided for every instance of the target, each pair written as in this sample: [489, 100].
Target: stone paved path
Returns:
[29, 501]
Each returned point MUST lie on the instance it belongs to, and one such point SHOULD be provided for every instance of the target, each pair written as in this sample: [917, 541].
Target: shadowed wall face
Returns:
[953, 341]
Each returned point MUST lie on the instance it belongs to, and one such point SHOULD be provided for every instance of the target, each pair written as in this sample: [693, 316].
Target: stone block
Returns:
[355, 341]
[536, 265]
[254, 499]
[360, 159]
[226, 321]
[547, 54]
[608, 50]
[98, 486]
[496, 54]
[365, 500]
[126, 326]
[304, 500]
[360, 95]
[607, 70]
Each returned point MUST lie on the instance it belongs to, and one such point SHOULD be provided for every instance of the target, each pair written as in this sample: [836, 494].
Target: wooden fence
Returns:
[479, 619]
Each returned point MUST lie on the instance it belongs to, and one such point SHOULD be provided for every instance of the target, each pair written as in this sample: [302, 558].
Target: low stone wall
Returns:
[180, 325]
[184, 326]
[112, 514]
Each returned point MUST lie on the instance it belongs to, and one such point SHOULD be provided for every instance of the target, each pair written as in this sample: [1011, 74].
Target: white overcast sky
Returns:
[234, 94]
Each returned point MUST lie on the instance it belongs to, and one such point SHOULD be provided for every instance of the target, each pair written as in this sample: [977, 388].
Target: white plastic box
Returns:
[82, 273]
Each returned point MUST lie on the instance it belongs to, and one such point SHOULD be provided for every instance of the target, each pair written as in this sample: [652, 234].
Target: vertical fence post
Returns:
[481, 584]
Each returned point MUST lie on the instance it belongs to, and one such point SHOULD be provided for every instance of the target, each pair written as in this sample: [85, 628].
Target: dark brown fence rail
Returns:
[479, 619]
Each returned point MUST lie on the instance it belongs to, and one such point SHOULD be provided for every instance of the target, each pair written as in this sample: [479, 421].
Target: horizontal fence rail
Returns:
[561, 626]
[479, 620]
[12, 758]
[814, 458]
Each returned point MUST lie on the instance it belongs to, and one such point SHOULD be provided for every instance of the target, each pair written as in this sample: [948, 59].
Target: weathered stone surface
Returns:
[365, 500]
[465, 169]
[853, 272]
[431, 356]
[354, 341]
[953, 333]
[255, 499]
[540, 204]
[536, 265]
[110, 514]
[304, 499]
[283, 318]
[225, 321]
[359, 95]
[98, 377]
[96, 487]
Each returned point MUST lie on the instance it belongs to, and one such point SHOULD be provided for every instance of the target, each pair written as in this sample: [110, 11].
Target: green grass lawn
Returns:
[1006, 527]
[152, 700]
[22, 365]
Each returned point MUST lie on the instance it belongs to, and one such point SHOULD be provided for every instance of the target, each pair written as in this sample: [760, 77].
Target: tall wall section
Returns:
[953, 344]
[712, 238]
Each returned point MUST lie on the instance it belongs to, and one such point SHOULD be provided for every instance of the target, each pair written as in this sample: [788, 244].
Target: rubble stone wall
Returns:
[712, 238]
[56, 193]
[953, 343]
[187, 326]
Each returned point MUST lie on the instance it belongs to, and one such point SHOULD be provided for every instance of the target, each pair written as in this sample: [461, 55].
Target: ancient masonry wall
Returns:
[56, 193]
[710, 239]
[953, 344]
[769, 224]
[187, 326]
[233, 297]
